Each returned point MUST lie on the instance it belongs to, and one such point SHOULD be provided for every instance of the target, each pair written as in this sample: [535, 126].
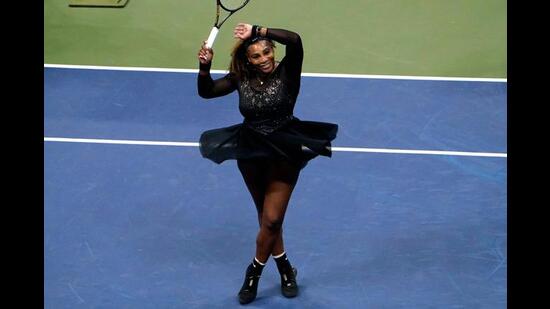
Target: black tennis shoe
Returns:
[289, 287]
[250, 286]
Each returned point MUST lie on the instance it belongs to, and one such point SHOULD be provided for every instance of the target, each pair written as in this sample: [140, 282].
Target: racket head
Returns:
[232, 5]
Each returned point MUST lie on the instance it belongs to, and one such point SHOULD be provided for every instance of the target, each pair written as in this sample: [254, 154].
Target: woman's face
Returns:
[262, 56]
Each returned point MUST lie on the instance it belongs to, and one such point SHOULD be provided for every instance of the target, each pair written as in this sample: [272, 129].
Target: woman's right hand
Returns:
[205, 54]
[242, 31]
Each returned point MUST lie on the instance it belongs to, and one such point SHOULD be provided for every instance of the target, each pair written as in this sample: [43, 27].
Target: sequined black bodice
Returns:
[268, 106]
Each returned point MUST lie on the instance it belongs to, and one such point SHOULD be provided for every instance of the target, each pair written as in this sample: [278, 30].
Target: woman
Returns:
[271, 146]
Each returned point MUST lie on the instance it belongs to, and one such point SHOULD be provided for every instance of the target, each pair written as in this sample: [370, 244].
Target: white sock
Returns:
[257, 261]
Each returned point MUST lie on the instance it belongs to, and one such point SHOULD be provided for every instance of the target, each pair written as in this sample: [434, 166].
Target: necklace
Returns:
[268, 75]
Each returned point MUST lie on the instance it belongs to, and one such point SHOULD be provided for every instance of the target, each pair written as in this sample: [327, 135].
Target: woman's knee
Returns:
[272, 224]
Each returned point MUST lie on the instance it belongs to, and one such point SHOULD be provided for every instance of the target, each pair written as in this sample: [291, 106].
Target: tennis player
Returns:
[271, 145]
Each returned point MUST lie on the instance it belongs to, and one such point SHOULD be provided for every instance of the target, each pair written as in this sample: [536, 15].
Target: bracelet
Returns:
[256, 31]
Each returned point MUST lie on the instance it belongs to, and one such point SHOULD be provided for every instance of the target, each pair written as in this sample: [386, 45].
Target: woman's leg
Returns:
[254, 173]
[281, 179]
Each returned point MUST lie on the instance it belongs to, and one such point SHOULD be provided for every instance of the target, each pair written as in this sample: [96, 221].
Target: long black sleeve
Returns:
[294, 56]
[209, 88]
[294, 53]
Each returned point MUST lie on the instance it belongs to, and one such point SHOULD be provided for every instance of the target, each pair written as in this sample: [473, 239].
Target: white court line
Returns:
[119, 142]
[343, 149]
[404, 77]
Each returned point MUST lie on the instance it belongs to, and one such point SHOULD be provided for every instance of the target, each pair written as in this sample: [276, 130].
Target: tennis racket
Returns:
[229, 6]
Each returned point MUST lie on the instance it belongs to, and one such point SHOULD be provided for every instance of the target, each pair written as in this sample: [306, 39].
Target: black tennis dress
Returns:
[269, 130]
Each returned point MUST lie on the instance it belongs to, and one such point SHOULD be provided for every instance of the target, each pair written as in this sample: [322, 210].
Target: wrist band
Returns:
[254, 31]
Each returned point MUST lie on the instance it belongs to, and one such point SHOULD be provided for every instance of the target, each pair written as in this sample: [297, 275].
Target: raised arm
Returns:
[292, 41]
[208, 87]
[294, 51]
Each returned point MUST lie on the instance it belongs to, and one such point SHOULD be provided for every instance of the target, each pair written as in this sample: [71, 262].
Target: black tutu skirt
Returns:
[297, 142]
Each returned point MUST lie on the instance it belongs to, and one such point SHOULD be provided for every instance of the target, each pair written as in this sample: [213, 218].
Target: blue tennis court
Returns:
[134, 217]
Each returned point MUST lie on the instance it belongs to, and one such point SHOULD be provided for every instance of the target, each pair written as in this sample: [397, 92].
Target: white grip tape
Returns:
[212, 37]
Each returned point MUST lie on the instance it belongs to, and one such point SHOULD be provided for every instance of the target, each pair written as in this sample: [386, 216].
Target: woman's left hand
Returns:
[242, 31]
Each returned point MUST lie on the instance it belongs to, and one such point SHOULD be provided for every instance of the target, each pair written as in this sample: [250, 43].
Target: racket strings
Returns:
[233, 5]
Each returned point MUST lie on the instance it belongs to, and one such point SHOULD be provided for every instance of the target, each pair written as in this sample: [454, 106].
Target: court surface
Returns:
[134, 217]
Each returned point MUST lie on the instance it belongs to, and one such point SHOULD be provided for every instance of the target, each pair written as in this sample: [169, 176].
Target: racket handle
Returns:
[212, 37]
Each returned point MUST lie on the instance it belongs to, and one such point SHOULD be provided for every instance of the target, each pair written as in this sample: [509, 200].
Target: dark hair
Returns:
[239, 61]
